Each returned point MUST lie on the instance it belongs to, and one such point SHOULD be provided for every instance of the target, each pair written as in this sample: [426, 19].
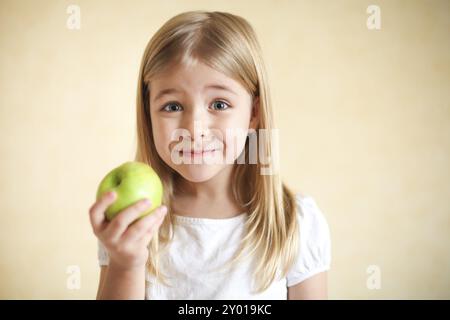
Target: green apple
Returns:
[131, 181]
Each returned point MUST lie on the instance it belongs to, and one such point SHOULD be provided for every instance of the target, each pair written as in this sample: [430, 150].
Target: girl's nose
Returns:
[197, 123]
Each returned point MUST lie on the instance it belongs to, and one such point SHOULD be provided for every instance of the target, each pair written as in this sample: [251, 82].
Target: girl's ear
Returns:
[254, 119]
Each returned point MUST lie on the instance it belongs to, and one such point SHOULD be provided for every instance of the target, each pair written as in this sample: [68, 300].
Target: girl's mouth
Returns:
[197, 153]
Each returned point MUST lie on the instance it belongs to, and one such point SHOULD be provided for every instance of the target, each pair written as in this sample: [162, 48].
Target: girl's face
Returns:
[200, 119]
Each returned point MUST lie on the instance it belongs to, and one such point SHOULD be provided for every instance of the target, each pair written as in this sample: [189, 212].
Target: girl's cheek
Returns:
[162, 128]
[235, 142]
[159, 135]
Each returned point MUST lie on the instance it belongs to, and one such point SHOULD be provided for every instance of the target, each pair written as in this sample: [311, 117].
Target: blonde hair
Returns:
[228, 44]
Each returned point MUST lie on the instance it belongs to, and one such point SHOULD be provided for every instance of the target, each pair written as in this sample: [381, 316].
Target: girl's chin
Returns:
[198, 173]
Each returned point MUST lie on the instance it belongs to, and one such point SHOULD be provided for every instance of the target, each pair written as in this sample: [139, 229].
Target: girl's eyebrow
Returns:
[164, 92]
[219, 87]
[210, 86]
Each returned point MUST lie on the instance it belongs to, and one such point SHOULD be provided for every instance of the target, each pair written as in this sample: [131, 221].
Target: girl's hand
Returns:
[125, 239]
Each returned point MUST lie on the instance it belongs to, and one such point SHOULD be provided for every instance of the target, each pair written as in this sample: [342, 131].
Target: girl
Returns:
[227, 229]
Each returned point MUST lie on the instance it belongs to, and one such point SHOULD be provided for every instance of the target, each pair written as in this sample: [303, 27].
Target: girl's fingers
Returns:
[124, 219]
[97, 211]
[148, 235]
[140, 227]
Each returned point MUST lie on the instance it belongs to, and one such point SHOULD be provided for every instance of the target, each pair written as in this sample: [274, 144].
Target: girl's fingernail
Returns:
[162, 210]
[145, 203]
[111, 195]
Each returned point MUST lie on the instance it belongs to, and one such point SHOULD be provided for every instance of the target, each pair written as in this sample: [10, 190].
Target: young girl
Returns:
[229, 228]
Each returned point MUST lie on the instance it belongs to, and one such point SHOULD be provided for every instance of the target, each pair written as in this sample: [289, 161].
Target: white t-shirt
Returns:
[201, 245]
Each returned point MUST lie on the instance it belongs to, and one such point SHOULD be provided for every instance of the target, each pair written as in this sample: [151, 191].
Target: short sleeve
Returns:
[315, 244]
[102, 253]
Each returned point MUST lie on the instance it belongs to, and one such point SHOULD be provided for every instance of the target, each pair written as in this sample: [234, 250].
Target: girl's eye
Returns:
[220, 105]
[172, 107]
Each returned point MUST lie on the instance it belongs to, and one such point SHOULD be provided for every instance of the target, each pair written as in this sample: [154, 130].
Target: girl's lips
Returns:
[197, 153]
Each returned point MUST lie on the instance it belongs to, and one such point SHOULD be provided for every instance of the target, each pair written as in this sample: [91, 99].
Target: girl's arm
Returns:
[126, 238]
[314, 288]
[101, 282]
[116, 283]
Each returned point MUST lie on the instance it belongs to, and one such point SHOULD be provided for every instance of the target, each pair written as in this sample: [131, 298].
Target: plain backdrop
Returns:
[364, 119]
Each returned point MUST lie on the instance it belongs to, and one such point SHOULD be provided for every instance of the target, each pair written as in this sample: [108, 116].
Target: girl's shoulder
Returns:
[309, 212]
[315, 244]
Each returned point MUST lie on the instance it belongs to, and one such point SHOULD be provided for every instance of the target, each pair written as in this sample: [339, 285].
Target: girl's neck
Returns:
[214, 188]
[209, 199]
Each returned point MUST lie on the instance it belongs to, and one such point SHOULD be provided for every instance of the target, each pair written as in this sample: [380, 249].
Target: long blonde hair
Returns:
[228, 44]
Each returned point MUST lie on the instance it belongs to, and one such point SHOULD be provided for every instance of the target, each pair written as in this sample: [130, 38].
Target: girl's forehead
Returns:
[197, 70]
[199, 75]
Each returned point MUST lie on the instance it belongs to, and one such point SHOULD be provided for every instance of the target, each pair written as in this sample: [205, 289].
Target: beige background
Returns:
[364, 118]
